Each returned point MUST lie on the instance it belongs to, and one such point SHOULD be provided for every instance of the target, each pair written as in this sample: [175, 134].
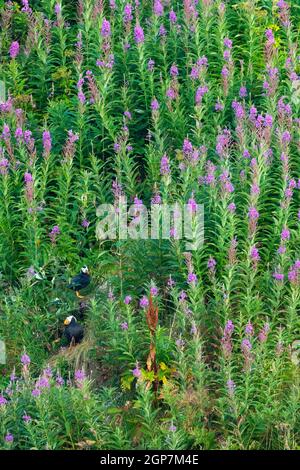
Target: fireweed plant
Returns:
[164, 101]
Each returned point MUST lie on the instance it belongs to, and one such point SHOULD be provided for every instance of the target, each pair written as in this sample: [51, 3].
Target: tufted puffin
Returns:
[73, 332]
[80, 281]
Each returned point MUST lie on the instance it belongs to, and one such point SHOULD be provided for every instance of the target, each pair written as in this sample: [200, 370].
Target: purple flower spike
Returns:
[105, 28]
[144, 302]
[139, 34]
[25, 359]
[9, 438]
[127, 299]
[14, 49]
[192, 278]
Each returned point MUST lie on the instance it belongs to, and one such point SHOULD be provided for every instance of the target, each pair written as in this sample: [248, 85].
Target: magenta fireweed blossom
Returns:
[53, 234]
[47, 143]
[231, 207]
[80, 94]
[69, 148]
[187, 147]
[226, 341]
[254, 255]
[270, 37]
[154, 291]
[170, 282]
[165, 166]
[227, 43]
[110, 295]
[172, 17]
[26, 418]
[79, 375]
[162, 31]
[180, 343]
[139, 34]
[255, 190]
[232, 251]
[227, 55]
[48, 372]
[284, 13]
[4, 165]
[243, 92]
[249, 330]
[57, 9]
[230, 387]
[171, 93]
[219, 106]
[285, 234]
[124, 326]
[238, 110]
[138, 204]
[127, 299]
[26, 8]
[211, 264]
[281, 250]
[137, 371]
[36, 392]
[158, 8]
[156, 199]
[173, 232]
[229, 328]
[127, 13]
[278, 276]
[154, 105]
[174, 71]
[200, 92]
[25, 359]
[144, 302]
[9, 438]
[85, 223]
[19, 134]
[14, 49]
[6, 106]
[294, 273]
[263, 334]
[223, 143]
[42, 382]
[3, 400]
[285, 138]
[268, 120]
[225, 72]
[59, 381]
[182, 296]
[192, 278]
[253, 215]
[150, 65]
[117, 147]
[105, 28]
[246, 348]
[6, 132]
[192, 205]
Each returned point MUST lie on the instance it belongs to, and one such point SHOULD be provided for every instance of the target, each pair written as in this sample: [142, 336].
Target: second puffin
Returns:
[80, 281]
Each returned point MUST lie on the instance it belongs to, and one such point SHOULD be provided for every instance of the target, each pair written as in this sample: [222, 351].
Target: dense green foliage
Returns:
[194, 102]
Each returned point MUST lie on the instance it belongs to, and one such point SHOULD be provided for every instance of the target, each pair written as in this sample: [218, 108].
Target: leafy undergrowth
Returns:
[164, 102]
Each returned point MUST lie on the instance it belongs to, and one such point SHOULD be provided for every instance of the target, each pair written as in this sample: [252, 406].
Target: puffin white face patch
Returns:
[69, 319]
[85, 269]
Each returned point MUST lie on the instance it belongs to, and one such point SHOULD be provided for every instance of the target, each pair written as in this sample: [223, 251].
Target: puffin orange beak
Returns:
[66, 322]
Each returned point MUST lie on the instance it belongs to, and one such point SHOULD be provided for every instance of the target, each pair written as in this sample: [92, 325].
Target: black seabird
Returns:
[73, 332]
[80, 281]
